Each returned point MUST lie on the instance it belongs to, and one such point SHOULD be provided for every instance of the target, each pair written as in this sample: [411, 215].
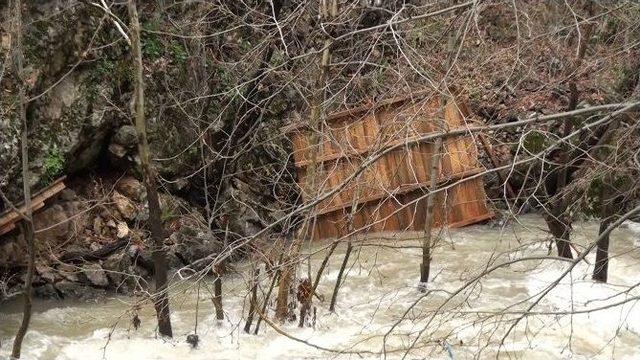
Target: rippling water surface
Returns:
[379, 289]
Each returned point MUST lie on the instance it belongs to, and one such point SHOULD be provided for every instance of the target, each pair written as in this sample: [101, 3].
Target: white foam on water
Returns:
[381, 285]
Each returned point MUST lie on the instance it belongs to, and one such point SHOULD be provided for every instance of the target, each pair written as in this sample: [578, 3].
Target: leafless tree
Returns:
[161, 300]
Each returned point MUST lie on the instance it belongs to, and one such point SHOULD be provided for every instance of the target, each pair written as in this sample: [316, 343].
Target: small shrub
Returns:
[152, 47]
[53, 164]
[534, 142]
[178, 53]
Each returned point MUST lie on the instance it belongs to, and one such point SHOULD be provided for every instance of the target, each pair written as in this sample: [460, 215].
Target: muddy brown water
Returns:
[380, 288]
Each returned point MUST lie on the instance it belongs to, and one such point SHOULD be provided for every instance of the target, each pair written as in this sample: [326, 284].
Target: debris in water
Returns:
[135, 321]
[193, 340]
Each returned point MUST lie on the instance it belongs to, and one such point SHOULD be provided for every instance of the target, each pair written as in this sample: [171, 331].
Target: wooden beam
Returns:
[9, 218]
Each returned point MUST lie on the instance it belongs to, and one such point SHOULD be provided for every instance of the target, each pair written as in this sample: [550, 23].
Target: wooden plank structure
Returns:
[9, 218]
[390, 194]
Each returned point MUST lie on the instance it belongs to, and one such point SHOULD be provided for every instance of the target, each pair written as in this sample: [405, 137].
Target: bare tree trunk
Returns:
[284, 285]
[560, 226]
[425, 266]
[347, 254]
[265, 303]
[343, 267]
[305, 295]
[217, 295]
[161, 300]
[327, 12]
[559, 221]
[600, 270]
[27, 228]
[428, 222]
[254, 300]
[323, 265]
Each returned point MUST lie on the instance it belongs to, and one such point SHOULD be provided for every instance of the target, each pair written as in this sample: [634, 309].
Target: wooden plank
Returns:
[399, 191]
[37, 201]
[8, 227]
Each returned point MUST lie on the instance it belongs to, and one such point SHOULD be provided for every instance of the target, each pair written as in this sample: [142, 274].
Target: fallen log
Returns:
[100, 254]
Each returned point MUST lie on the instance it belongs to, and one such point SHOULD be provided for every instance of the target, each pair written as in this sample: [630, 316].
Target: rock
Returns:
[47, 291]
[141, 257]
[69, 288]
[143, 214]
[95, 275]
[126, 136]
[124, 206]
[112, 224]
[75, 210]
[141, 272]
[67, 195]
[74, 290]
[173, 261]
[122, 230]
[72, 127]
[98, 226]
[247, 219]
[132, 188]
[46, 273]
[68, 272]
[52, 223]
[172, 206]
[118, 151]
[118, 268]
[192, 244]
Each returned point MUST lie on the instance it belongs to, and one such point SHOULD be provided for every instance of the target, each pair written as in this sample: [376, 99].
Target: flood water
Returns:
[578, 319]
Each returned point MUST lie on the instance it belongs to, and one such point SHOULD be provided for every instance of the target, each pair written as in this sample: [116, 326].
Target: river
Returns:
[577, 319]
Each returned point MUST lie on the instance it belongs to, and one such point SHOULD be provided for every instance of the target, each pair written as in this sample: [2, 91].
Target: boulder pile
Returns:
[95, 239]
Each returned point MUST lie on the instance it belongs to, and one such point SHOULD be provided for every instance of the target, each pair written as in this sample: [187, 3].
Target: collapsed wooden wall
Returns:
[390, 193]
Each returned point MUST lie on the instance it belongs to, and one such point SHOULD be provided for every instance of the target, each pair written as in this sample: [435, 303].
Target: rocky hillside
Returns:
[78, 71]
[95, 238]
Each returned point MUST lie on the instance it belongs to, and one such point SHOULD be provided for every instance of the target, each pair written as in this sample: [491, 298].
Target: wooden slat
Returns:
[10, 217]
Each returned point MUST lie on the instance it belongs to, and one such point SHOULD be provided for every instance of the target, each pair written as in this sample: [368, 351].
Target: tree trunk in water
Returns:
[323, 265]
[428, 222]
[558, 221]
[217, 296]
[305, 295]
[253, 302]
[266, 302]
[560, 228]
[345, 261]
[600, 270]
[288, 266]
[27, 227]
[282, 301]
[161, 300]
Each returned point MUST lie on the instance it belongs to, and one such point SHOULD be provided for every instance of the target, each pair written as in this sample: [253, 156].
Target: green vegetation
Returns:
[53, 163]
[152, 47]
[534, 142]
[178, 52]
[167, 213]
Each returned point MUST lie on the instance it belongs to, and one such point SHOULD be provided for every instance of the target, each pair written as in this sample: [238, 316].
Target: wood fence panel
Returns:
[391, 193]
